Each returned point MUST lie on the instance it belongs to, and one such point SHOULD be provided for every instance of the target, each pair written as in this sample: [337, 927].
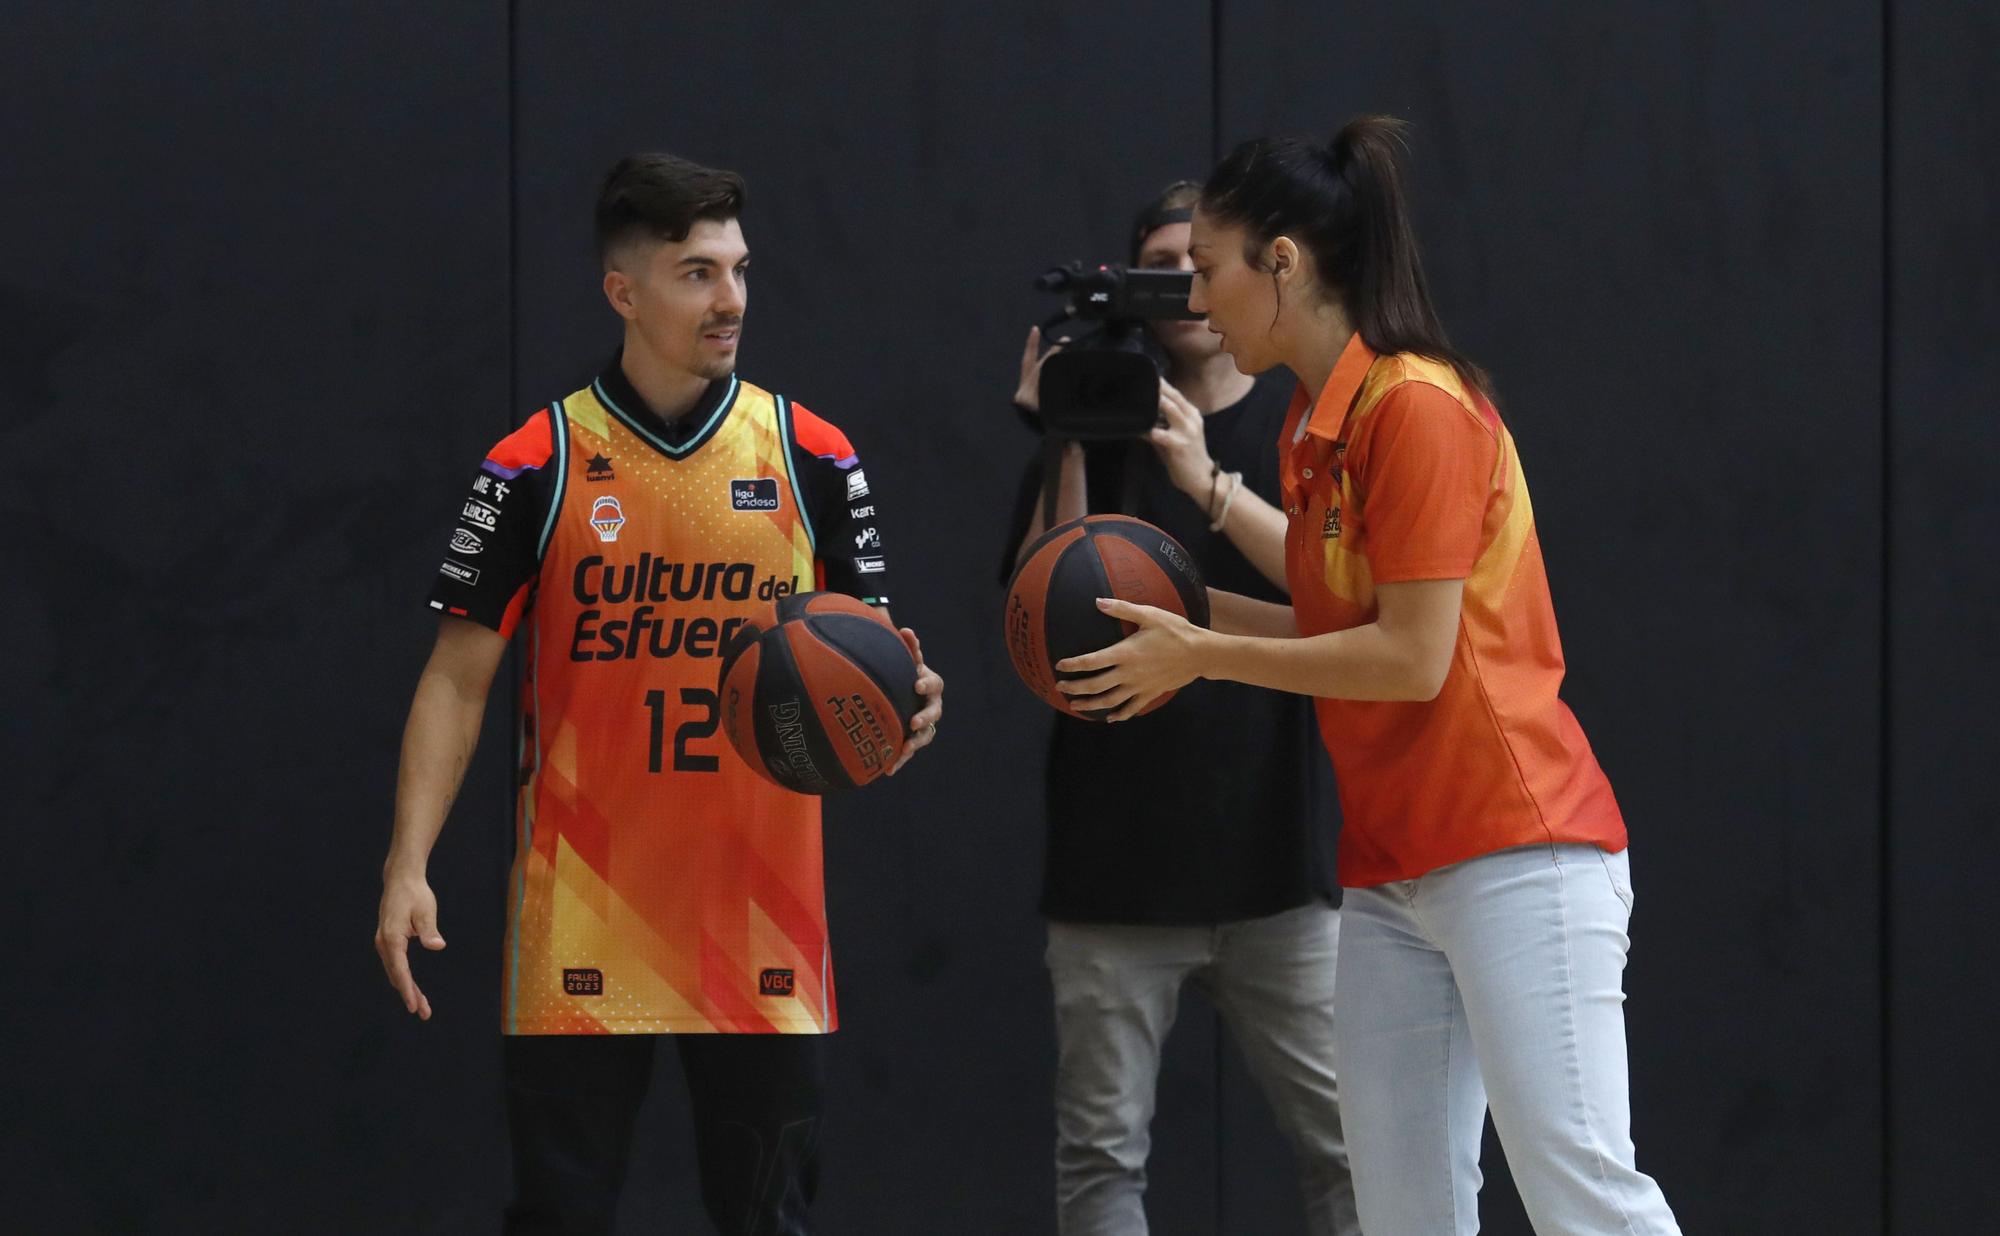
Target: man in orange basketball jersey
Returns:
[661, 885]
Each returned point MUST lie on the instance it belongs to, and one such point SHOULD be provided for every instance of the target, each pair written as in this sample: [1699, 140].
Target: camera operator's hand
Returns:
[1029, 394]
[1183, 444]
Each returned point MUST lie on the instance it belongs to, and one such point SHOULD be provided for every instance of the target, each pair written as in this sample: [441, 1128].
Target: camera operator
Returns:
[1193, 844]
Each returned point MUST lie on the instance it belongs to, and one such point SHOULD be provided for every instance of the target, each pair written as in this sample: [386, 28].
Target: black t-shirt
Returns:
[1219, 806]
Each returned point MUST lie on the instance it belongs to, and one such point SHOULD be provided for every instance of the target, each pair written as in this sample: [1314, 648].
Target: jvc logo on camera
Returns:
[758, 494]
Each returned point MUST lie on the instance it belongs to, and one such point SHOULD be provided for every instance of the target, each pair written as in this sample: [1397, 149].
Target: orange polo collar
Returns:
[1329, 414]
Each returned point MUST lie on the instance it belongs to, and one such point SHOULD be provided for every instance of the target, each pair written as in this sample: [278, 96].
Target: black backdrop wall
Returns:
[273, 279]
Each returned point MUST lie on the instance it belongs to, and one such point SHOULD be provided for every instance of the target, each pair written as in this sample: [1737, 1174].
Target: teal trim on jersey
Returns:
[559, 435]
[792, 470]
[693, 444]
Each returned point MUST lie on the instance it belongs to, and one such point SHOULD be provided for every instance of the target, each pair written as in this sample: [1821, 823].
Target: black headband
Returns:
[1154, 221]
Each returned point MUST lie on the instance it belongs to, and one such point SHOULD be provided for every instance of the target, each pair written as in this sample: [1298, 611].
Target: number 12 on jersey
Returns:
[703, 726]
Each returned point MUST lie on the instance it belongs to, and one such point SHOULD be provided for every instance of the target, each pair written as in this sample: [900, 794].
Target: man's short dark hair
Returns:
[660, 197]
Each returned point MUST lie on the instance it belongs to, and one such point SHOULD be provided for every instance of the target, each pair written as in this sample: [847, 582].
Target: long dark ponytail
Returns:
[1346, 205]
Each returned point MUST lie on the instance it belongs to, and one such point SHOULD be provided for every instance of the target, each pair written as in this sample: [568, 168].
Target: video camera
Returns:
[1105, 383]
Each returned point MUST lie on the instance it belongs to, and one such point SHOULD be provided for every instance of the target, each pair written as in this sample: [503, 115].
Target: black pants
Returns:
[572, 1101]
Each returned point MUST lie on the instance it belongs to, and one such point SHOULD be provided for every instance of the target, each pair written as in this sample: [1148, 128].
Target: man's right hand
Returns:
[409, 910]
[1029, 393]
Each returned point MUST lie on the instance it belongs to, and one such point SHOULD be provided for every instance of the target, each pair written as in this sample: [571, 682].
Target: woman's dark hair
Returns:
[1173, 204]
[660, 197]
[1346, 205]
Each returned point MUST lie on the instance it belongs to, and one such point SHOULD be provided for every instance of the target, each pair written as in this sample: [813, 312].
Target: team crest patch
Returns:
[607, 517]
[757, 494]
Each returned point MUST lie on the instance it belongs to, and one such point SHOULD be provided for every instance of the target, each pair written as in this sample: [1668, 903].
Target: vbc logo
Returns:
[607, 517]
[776, 983]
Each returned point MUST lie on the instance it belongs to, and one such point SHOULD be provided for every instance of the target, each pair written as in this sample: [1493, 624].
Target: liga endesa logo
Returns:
[755, 494]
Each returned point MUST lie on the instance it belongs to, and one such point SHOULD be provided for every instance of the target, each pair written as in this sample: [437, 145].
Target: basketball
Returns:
[817, 695]
[1052, 600]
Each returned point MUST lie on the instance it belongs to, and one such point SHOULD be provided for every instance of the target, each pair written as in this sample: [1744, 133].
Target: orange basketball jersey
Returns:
[660, 885]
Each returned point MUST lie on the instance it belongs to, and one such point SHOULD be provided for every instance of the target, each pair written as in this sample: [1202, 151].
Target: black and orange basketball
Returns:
[1052, 600]
[818, 694]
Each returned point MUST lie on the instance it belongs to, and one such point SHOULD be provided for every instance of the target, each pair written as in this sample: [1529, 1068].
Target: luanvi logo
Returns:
[583, 982]
[756, 494]
[776, 983]
[598, 468]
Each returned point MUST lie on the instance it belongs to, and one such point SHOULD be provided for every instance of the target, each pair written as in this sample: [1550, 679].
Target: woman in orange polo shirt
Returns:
[1483, 954]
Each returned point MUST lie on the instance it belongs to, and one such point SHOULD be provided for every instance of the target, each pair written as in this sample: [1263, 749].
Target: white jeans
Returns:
[1117, 989]
[1498, 979]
